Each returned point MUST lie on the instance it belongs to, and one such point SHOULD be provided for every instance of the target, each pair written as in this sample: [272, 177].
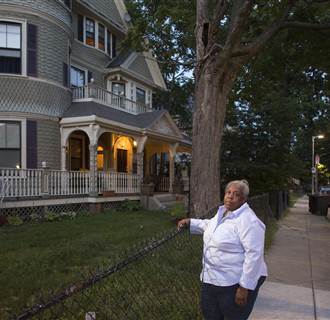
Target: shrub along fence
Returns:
[158, 279]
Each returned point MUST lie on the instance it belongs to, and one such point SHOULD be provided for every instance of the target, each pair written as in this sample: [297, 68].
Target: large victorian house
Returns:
[76, 113]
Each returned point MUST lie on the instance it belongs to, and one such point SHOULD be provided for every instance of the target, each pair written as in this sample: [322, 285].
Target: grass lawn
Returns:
[38, 257]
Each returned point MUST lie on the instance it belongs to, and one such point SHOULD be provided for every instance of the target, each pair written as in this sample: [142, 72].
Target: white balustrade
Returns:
[91, 91]
[118, 182]
[24, 183]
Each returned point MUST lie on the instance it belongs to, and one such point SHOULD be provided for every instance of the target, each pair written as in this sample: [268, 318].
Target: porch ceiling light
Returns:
[134, 143]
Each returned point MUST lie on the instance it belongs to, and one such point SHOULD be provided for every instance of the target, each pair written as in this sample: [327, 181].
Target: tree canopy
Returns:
[277, 99]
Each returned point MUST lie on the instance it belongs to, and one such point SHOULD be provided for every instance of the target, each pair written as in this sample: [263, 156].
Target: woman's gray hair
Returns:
[243, 186]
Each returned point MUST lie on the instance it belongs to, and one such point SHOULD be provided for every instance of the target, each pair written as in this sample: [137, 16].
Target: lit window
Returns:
[101, 37]
[90, 32]
[10, 48]
[77, 77]
[10, 144]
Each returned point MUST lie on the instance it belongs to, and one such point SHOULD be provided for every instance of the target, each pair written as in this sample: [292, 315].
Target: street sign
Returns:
[313, 170]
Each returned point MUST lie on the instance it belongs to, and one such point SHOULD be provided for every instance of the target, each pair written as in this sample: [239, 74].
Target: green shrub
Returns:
[51, 216]
[35, 217]
[129, 205]
[14, 220]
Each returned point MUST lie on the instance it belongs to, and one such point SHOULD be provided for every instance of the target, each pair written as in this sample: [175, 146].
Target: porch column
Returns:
[141, 141]
[172, 152]
[63, 158]
[139, 159]
[93, 170]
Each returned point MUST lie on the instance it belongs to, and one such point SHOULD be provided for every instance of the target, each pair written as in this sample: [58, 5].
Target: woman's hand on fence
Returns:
[184, 223]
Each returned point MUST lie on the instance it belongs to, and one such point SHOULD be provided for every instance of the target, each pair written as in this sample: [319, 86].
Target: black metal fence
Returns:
[158, 279]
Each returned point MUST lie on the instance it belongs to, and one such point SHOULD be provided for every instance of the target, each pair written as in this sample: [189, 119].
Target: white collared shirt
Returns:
[233, 247]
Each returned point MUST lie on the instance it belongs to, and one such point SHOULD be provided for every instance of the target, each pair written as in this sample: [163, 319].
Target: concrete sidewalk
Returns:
[298, 286]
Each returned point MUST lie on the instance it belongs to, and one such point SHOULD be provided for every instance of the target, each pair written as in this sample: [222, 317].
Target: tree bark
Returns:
[211, 98]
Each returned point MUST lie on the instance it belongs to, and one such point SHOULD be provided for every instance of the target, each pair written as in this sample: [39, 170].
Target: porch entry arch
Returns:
[78, 151]
[123, 151]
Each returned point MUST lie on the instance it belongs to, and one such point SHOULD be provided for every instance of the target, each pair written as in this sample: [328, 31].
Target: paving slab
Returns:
[298, 286]
[279, 301]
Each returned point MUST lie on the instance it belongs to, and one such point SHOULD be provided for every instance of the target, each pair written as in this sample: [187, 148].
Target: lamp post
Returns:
[320, 136]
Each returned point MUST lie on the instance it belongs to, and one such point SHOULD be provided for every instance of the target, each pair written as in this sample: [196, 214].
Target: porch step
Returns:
[168, 200]
[165, 197]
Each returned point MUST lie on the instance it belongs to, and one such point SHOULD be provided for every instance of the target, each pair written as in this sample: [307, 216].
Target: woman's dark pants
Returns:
[218, 303]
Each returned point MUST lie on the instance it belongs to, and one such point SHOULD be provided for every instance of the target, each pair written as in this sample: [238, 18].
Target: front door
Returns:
[121, 160]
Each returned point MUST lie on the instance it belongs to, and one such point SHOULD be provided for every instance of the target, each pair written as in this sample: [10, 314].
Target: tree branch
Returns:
[240, 14]
[253, 48]
[219, 11]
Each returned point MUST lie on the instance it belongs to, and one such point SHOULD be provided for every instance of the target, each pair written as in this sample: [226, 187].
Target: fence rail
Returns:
[24, 183]
[91, 91]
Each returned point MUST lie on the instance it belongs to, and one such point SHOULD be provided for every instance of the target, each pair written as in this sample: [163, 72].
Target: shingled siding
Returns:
[52, 46]
[53, 50]
[90, 55]
[90, 59]
[54, 8]
[49, 143]
[105, 8]
[20, 94]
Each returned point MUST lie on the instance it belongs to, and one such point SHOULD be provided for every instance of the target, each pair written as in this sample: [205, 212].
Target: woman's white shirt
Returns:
[233, 247]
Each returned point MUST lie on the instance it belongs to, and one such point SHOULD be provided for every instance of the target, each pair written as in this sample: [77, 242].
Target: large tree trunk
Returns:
[213, 87]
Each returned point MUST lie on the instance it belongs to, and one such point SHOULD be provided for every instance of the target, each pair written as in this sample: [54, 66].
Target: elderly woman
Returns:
[233, 256]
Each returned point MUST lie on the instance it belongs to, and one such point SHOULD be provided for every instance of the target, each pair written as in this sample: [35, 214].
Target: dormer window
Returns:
[90, 32]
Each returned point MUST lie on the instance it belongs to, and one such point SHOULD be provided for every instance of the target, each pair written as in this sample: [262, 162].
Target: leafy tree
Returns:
[228, 36]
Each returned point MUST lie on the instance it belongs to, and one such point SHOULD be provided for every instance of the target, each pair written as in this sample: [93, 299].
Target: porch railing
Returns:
[25, 183]
[91, 91]
[118, 182]
[164, 184]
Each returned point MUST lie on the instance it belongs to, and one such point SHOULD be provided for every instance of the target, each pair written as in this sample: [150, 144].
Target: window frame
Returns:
[136, 95]
[19, 149]
[23, 44]
[86, 20]
[108, 41]
[85, 71]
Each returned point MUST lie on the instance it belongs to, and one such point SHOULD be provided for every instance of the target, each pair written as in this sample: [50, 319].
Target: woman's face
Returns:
[233, 198]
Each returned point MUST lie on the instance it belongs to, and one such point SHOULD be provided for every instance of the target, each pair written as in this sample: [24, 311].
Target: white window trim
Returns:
[82, 69]
[96, 35]
[23, 137]
[23, 24]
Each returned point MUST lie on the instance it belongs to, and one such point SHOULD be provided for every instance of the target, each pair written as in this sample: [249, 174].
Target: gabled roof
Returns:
[139, 65]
